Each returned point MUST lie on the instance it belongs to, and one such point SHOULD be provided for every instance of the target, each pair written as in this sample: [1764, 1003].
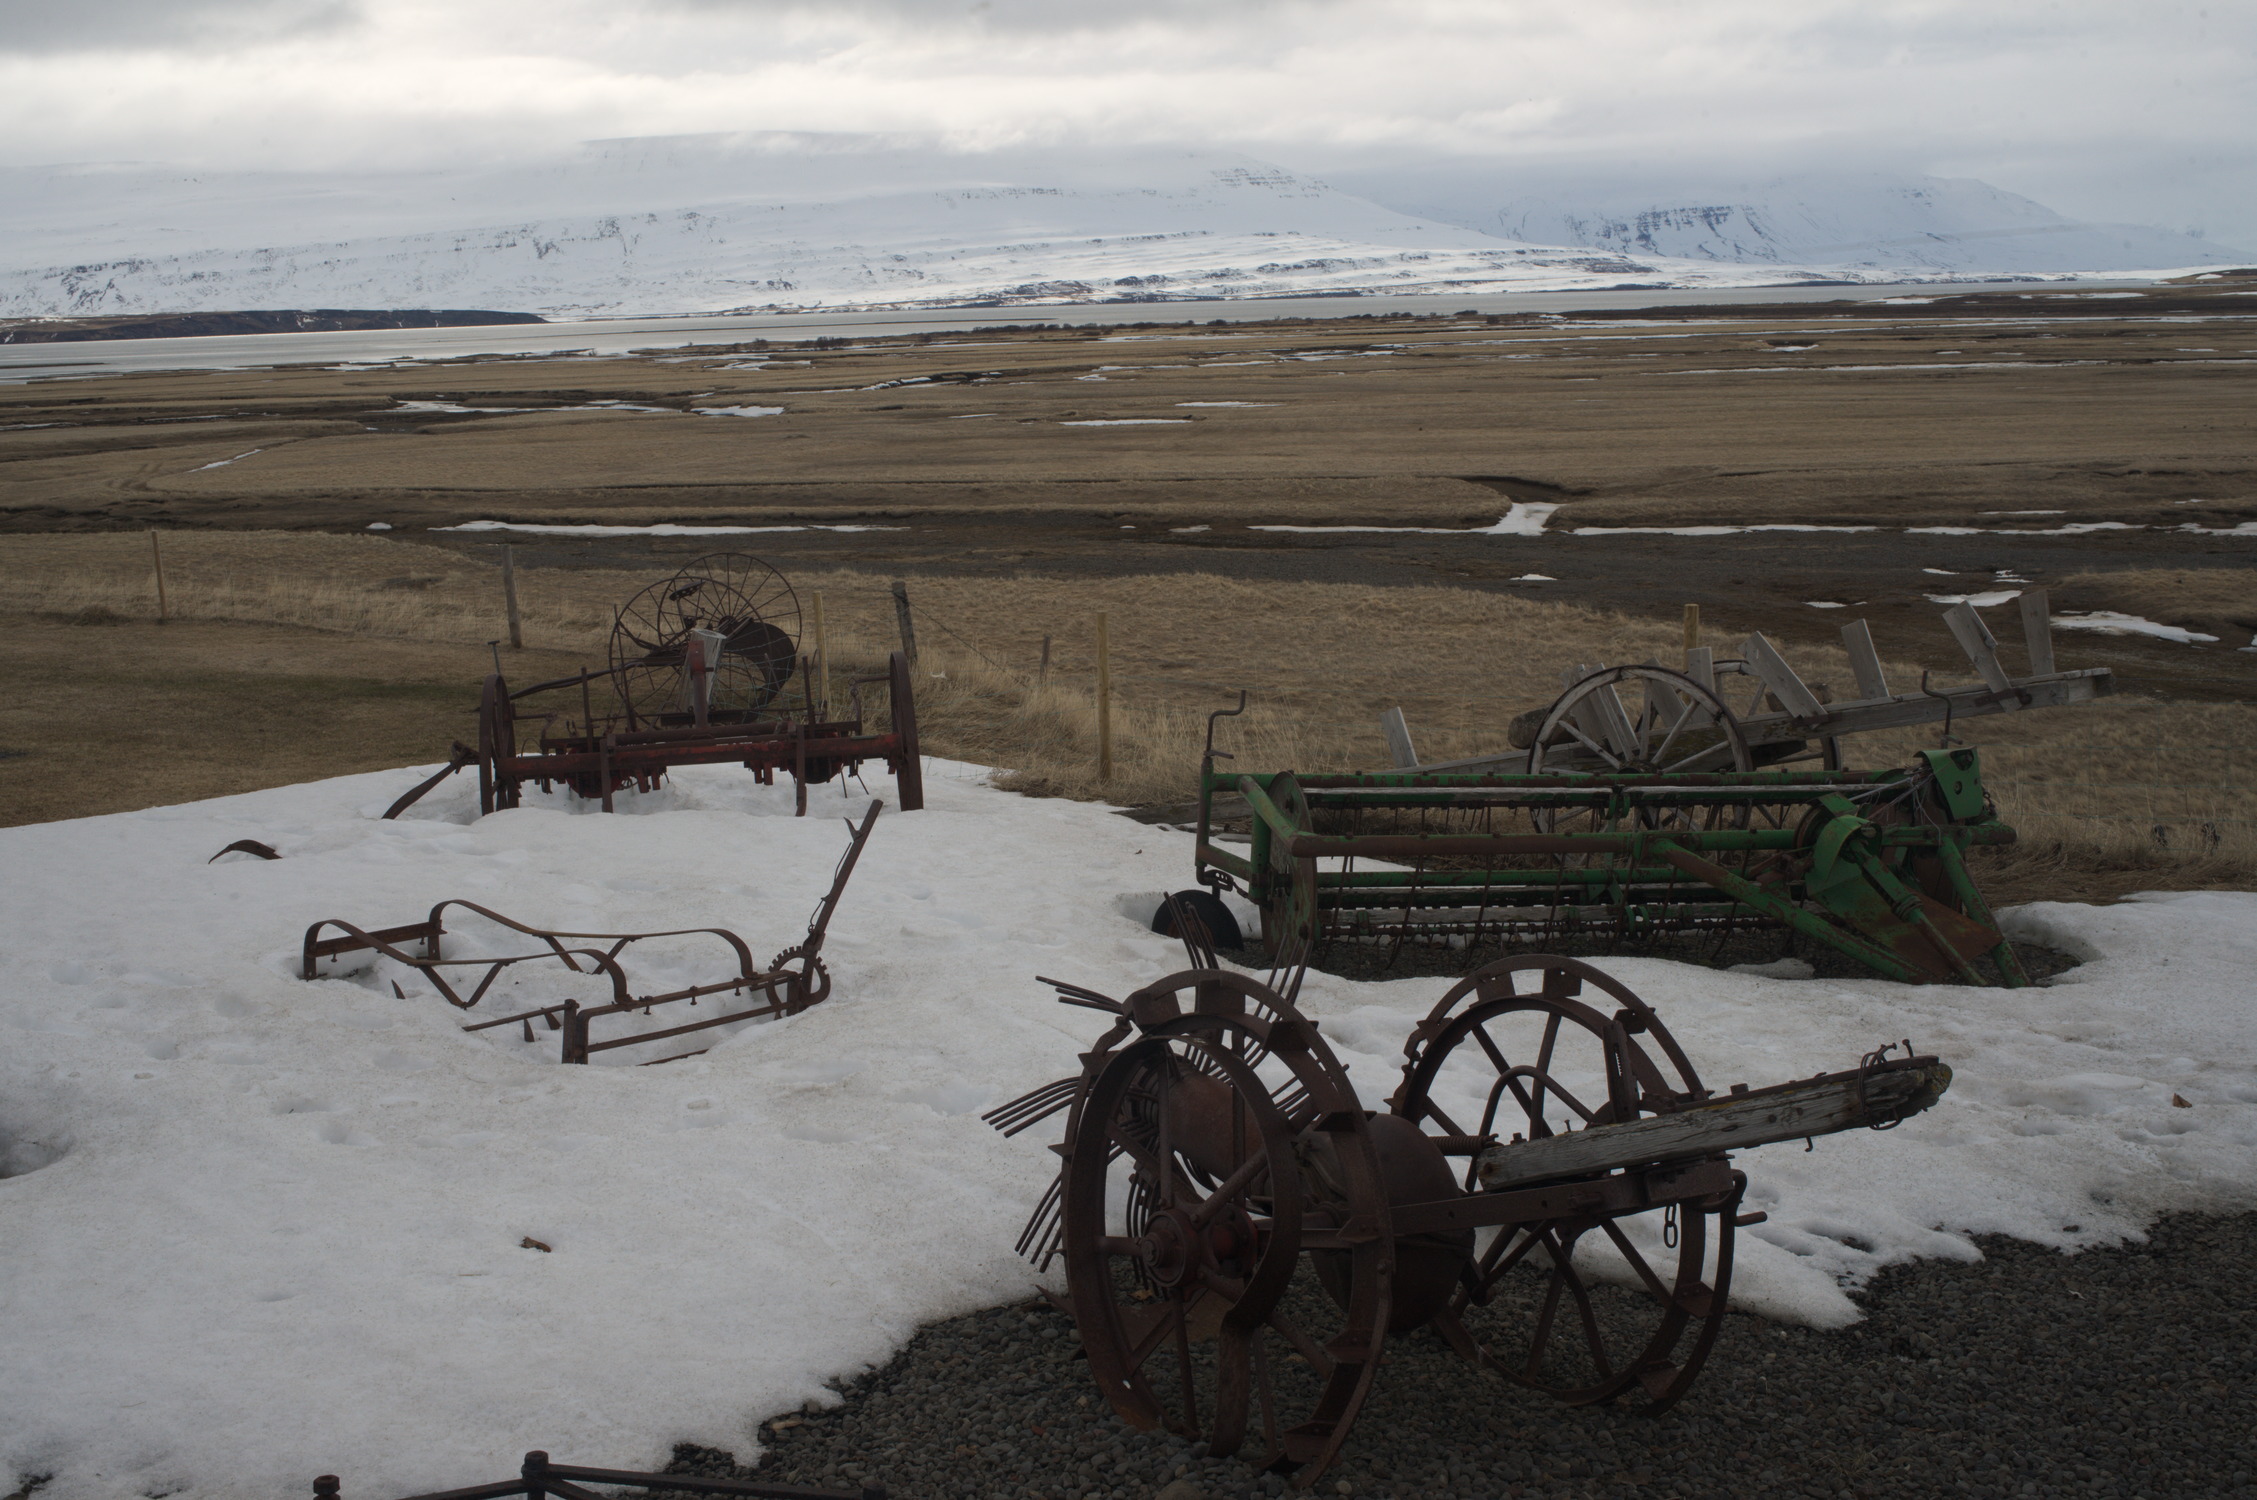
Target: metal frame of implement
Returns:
[1212, 1142]
[1652, 804]
[1869, 863]
[793, 981]
[539, 1479]
[700, 664]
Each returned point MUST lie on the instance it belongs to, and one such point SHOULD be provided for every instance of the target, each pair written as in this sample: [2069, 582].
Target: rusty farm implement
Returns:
[790, 983]
[1548, 1188]
[705, 668]
[1651, 803]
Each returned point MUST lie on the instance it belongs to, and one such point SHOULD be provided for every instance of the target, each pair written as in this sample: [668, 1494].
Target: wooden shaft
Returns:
[1104, 703]
[157, 559]
[1692, 626]
[509, 598]
[1823, 1105]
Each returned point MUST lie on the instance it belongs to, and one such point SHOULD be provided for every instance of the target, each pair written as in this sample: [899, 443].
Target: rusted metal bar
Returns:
[537, 1477]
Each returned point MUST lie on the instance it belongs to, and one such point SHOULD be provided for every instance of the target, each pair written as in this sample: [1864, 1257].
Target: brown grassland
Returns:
[290, 656]
[1025, 481]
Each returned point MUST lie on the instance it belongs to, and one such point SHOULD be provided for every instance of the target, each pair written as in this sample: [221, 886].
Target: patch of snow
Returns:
[1941, 572]
[1825, 604]
[1979, 601]
[223, 463]
[662, 528]
[453, 406]
[2021, 513]
[256, 1172]
[1127, 422]
[1187, 530]
[1523, 519]
[380, 526]
[1704, 530]
[738, 411]
[1533, 578]
[1229, 403]
[2109, 622]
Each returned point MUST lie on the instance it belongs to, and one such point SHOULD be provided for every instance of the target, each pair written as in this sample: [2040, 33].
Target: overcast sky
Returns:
[2103, 109]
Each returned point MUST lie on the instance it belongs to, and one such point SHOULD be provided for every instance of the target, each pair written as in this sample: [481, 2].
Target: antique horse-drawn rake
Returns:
[794, 980]
[1651, 803]
[1547, 1188]
[701, 672]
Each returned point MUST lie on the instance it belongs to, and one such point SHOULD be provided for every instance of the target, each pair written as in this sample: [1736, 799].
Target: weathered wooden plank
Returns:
[1864, 660]
[1700, 665]
[1975, 639]
[1968, 702]
[1399, 747]
[2037, 631]
[1793, 693]
[1788, 1112]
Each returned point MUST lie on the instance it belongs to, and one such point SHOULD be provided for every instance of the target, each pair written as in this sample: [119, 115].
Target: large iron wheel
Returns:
[1203, 1159]
[741, 599]
[1591, 1306]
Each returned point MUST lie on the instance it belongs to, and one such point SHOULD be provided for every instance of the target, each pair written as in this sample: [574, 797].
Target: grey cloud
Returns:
[45, 26]
[1023, 16]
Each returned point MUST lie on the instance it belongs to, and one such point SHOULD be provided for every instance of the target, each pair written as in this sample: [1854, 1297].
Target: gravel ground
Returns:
[2125, 1372]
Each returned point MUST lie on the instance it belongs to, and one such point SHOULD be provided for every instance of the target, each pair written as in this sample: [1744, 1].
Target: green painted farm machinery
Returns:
[1648, 803]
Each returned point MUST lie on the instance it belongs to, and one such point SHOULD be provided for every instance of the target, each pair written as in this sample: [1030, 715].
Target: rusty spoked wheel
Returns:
[739, 598]
[1594, 1305]
[1204, 1159]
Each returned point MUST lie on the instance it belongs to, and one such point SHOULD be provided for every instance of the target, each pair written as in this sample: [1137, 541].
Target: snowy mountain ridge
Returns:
[787, 221]
[1867, 221]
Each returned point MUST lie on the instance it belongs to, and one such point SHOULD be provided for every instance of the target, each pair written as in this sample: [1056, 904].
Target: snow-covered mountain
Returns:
[1867, 220]
[751, 222]
[773, 221]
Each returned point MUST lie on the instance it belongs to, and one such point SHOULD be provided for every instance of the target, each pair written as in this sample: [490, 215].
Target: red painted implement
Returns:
[705, 669]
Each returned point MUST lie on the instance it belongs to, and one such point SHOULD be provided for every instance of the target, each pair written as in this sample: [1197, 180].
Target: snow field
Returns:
[261, 1228]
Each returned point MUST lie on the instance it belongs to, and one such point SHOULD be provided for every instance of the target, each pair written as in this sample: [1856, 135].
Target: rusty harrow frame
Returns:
[1241, 1236]
[792, 982]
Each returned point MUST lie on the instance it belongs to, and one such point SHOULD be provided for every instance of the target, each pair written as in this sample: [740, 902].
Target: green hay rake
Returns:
[1647, 806]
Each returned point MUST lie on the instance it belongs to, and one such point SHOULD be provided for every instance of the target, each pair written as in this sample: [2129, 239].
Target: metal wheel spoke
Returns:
[1231, 1187]
[1637, 1261]
[1303, 1345]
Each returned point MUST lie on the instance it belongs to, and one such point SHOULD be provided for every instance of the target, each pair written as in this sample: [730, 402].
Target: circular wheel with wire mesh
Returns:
[716, 643]
[1585, 1306]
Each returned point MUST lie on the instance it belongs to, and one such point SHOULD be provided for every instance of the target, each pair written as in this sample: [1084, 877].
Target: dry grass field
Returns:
[293, 655]
[1179, 479]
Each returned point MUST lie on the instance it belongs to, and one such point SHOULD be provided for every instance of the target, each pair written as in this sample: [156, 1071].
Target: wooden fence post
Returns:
[1104, 703]
[1042, 673]
[819, 692]
[1692, 628]
[908, 629]
[157, 559]
[509, 598]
